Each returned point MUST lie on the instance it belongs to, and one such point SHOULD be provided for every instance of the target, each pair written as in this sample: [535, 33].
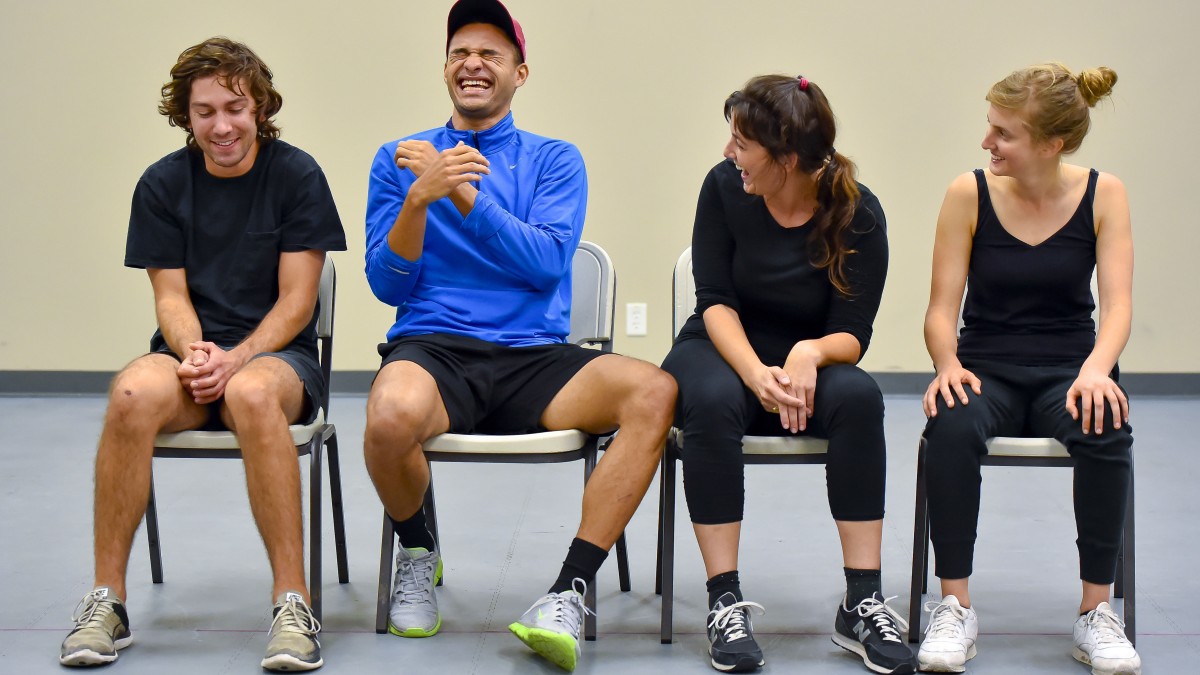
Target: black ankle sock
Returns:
[860, 585]
[413, 532]
[725, 582]
[583, 561]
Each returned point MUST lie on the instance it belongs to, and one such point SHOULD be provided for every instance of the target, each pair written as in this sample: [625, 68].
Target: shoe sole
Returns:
[741, 666]
[855, 647]
[415, 632]
[287, 662]
[419, 632]
[87, 657]
[1082, 657]
[554, 647]
[943, 667]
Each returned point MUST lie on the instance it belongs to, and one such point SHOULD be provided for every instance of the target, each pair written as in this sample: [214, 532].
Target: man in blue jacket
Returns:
[471, 230]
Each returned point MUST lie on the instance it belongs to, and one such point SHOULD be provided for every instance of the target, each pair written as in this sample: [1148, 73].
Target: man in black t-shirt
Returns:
[232, 230]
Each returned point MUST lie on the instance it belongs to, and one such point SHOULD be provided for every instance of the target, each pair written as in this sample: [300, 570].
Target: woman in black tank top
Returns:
[1023, 239]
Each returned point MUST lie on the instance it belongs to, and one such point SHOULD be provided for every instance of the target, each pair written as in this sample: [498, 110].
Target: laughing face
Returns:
[482, 74]
[761, 175]
[1011, 144]
[224, 124]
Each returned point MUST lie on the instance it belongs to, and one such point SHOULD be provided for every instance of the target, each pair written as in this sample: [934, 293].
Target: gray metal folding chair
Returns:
[755, 450]
[309, 440]
[1010, 451]
[593, 296]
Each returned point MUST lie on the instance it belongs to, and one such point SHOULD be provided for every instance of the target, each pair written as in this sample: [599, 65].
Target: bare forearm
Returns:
[829, 350]
[1111, 338]
[179, 325]
[407, 236]
[278, 328]
[942, 342]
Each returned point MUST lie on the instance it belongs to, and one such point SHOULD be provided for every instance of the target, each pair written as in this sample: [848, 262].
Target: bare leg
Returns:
[1093, 595]
[261, 400]
[404, 410]
[718, 546]
[957, 588]
[861, 543]
[609, 392]
[146, 397]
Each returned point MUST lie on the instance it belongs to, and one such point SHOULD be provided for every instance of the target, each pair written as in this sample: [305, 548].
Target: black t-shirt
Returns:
[227, 234]
[744, 259]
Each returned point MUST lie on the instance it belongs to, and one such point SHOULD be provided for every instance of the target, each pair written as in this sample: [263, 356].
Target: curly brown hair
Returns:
[791, 116]
[236, 66]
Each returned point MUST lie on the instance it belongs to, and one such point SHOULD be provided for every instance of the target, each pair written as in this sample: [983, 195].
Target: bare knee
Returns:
[252, 399]
[652, 400]
[142, 397]
[396, 425]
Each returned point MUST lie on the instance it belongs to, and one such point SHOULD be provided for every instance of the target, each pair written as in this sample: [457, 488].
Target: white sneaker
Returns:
[1100, 642]
[950, 638]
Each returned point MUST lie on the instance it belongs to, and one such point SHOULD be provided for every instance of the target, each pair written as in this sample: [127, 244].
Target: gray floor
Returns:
[505, 529]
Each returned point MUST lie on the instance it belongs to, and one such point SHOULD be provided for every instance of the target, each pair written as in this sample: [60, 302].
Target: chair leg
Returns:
[920, 560]
[667, 548]
[589, 597]
[335, 496]
[662, 500]
[383, 595]
[1126, 574]
[314, 523]
[156, 571]
[623, 563]
[430, 508]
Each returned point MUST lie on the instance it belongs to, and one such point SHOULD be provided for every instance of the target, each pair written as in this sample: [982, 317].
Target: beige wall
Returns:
[636, 84]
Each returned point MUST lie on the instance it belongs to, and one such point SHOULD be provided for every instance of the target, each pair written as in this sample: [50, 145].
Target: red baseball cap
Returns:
[485, 11]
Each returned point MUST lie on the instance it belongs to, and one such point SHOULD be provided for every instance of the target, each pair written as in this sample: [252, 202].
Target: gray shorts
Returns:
[307, 368]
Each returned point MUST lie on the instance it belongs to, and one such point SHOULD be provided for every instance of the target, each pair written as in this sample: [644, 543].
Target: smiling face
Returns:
[1012, 145]
[761, 175]
[224, 124]
[482, 74]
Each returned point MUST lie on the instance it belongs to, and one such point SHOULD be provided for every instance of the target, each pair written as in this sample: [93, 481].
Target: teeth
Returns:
[474, 83]
[226, 144]
[739, 167]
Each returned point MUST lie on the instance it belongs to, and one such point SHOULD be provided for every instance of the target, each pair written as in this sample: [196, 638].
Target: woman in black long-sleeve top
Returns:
[789, 254]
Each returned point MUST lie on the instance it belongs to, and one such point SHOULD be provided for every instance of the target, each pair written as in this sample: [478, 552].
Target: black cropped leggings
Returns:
[1024, 401]
[714, 410]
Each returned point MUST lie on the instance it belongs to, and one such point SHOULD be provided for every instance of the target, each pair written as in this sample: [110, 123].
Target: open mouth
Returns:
[474, 85]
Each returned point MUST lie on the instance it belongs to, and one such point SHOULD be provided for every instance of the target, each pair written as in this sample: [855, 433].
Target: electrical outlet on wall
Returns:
[635, 319]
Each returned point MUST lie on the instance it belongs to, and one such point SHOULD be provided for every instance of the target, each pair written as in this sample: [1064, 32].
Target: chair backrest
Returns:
[683, 288]
[593, 296]
[326, 295]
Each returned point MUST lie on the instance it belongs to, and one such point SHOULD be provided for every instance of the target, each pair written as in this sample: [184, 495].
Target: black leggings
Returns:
[715, 410]
[1024, 401]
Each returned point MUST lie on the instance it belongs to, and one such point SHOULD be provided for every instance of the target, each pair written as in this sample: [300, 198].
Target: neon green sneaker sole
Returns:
[416, 632]
[558, 648]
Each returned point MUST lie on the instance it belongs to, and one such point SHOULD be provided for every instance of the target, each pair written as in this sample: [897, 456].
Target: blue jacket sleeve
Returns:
[390, 276]
[539, 248]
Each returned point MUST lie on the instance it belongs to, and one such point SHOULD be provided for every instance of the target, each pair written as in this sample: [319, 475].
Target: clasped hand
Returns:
[206, 371]
[439, 173]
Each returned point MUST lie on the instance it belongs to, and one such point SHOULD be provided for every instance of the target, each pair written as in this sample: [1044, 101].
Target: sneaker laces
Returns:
[1107, 627]
[295, 616]
[945, 620]
[560, 602]
[733, 620]
[414, 579]
[885, 618]
[93, 607]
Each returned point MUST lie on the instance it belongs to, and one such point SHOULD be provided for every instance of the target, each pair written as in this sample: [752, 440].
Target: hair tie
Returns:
[803, 82]
[832, 151]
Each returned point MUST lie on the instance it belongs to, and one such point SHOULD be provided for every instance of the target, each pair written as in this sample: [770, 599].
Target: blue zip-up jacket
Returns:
[503, 273]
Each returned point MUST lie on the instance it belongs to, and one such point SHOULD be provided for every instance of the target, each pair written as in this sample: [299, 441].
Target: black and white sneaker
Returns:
[872, 630]
[732, 648]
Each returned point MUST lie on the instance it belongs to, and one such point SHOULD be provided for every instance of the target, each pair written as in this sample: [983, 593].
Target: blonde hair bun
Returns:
[1095, 83]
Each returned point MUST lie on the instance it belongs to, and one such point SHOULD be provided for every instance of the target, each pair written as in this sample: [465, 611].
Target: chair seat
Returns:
[771, 445]
[543, 442]
[1026, 447]
[227, 440]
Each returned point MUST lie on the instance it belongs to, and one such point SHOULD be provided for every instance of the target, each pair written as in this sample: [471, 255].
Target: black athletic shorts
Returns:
[490, 388]
[307, 368]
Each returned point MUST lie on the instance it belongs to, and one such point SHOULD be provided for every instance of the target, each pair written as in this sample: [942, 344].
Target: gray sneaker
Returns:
[551, 626]
[414, 610]
[101, 628]
[293, 643]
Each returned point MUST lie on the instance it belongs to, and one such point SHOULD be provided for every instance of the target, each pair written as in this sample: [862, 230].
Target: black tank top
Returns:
[1030, 305]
